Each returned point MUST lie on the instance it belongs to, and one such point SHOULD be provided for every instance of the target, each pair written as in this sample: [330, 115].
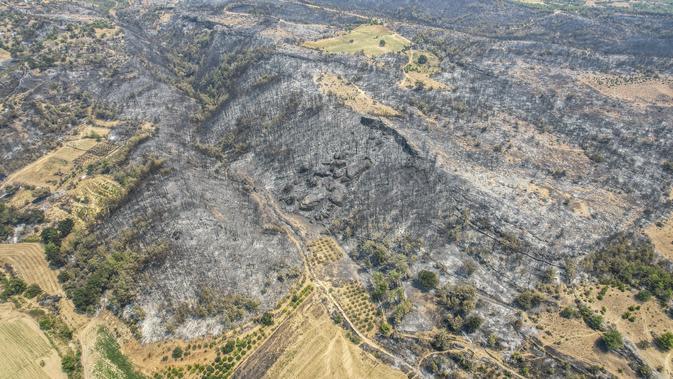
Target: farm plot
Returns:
[29, 262]
[370, 40]
[322, 251]
[51, 170]
[354, 299]
[320, 349]
[25, 350]
[352, 96]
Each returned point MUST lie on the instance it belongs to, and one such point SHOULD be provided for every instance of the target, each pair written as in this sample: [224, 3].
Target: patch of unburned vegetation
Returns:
[661, 234]
[352, 96]
[4, 55]
[370, 40]
[417, 73]
[637, 89]
[111, 363]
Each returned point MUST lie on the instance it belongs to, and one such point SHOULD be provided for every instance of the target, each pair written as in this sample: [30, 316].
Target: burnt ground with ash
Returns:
[520, 166]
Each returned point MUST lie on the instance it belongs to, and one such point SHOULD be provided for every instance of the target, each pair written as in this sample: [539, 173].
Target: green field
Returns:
[366, 39]
[112, 364]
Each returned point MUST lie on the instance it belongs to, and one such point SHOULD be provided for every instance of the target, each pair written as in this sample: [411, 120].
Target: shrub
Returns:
[665, 341]
[595, 321]
[32, 291]
[69, 364]
[53, 254]
[569, 312]
[612, 340]
[65, 227]
[427, 280]
[50, 235]
[13, 286]
[472, 323]
[441, 340]
[177, 352]
[266, 319]
[382, 42]
[643, 295]
[528, 299]
[422, 59]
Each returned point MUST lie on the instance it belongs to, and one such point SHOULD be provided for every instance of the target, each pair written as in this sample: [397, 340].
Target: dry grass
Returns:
[353, 96]
[319, 349]
[419, 74]
[640, 90]
[661, 235]
[48, 170]
[25, 350]
[4, 55]
[363, 39]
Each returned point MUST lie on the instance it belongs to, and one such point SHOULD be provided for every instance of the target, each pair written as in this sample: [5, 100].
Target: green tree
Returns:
[472, 323]
[32, 291]
[65, 227]
[422, 59]
[643, 296]
[427, 280]
[382, 42]
[266, 319]
[612, 339]
[441, 340]
[50, 235]
[13, 286]
[53, 254]
[528, 299]
[177, 352]
[665, 341]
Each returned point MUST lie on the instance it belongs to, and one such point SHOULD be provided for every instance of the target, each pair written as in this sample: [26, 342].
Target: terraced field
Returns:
[93, 195]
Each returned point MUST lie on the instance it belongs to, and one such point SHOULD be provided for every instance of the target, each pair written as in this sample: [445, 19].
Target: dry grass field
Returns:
[93, 195]
[366, 39]
[25, 350]
[640, 90]
[353, 96]
[4, 55]
[320, 349]
[661, 234]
